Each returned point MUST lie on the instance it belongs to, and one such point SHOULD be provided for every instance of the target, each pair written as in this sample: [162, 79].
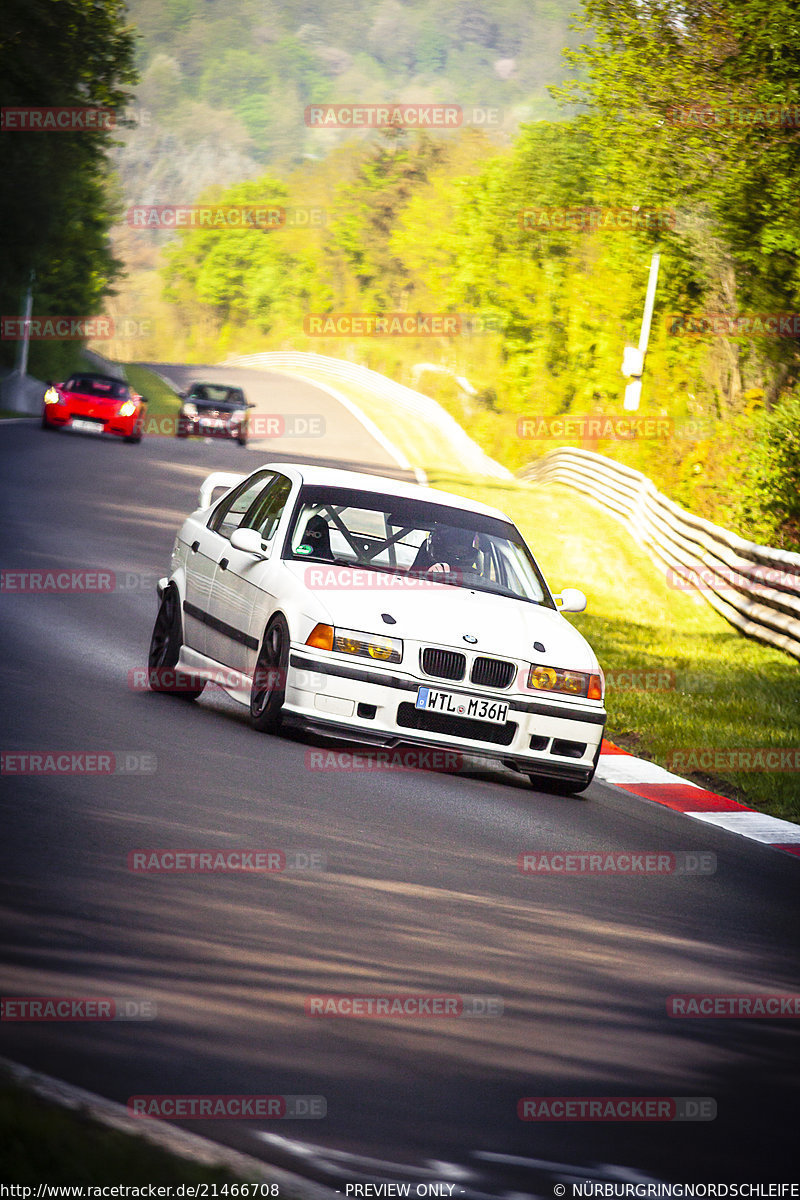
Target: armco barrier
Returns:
[756, 588]
[466, 453]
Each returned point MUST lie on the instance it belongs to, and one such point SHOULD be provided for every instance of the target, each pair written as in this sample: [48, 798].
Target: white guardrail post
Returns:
[756, 588]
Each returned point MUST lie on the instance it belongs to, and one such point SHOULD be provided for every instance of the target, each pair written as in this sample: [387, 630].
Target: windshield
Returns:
[217, 394]
[413, 538]
[96, 387]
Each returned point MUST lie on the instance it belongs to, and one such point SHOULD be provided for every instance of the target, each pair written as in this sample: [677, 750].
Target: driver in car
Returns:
[448, 550]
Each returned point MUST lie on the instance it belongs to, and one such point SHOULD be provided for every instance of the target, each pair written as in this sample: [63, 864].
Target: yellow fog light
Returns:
[558, 679]
[127, 409]
[542, 677]
[384, 649]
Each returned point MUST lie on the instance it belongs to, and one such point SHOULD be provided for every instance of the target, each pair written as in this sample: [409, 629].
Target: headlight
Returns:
[189, 410]
[127, 409]
[349, 641]
[51, 396]
[573, 683]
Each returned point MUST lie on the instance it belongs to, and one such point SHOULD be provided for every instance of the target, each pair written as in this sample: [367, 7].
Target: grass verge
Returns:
[41, 1142]
[162, 401]
[685, 679]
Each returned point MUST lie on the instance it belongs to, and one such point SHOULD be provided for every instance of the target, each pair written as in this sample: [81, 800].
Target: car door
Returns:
[239, 578]
[211, 543]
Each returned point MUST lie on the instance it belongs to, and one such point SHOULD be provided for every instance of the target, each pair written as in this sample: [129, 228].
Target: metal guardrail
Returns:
[467, 453]
[756, 588]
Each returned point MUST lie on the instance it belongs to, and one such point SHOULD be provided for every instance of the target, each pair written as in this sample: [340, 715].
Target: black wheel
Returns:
[165, 649]
[242, 440]
[269, 678]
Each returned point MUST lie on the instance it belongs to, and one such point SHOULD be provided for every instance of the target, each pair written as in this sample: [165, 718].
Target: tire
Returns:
[165, 649]
[268, 692]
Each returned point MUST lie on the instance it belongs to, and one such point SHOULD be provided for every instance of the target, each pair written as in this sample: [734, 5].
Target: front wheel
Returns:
[165, 650]
[269, 678]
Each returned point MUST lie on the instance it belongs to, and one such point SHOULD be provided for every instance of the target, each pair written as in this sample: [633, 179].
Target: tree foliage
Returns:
[55, 210]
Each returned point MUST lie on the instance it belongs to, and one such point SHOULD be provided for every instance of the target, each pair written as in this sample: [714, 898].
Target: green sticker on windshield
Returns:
[304, 550]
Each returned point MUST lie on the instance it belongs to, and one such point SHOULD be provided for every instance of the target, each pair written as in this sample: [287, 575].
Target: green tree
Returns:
[55, 210]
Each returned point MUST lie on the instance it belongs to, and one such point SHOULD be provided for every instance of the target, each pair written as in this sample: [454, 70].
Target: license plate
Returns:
[453, 704]
[212, 423]
[87, 426]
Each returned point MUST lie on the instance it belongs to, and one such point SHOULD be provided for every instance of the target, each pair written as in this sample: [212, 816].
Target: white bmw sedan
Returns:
[381, 612]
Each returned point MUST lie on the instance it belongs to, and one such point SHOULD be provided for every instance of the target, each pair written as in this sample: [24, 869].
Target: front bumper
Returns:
[549, 737]
[188, 427]
[64, 418]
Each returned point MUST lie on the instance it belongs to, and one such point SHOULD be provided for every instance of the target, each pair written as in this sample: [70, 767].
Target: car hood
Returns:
[89, 398]
[442, 615]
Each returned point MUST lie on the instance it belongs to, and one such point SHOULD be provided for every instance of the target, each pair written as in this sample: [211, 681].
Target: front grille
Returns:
[410, 717]
[492, 672]
[443, 664]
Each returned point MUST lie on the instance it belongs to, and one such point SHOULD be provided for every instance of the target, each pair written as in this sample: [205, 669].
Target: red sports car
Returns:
[95, 404]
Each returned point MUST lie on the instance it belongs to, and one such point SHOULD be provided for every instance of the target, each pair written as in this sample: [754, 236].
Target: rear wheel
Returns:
[165, 650]
[269, 678]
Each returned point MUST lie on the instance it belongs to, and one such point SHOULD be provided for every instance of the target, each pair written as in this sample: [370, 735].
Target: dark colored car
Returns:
[90, 403]
[214, 410]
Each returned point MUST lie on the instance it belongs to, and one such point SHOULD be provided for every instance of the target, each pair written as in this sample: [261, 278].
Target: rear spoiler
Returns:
[218, 479]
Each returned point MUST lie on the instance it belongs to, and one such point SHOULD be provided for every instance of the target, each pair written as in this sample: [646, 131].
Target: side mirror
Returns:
[248, 540]
[571, 600]
[250, 404]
